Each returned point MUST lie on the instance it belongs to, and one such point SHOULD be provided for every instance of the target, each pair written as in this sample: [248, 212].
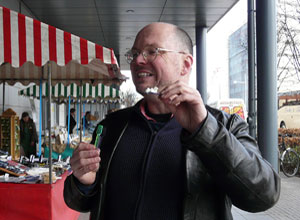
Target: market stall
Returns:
[31, 51]
[34, 201]
[99, 95]
[94, 95]
[35, 52]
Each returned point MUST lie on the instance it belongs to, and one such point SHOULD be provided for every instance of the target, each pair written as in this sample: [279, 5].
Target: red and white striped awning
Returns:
[26, 45]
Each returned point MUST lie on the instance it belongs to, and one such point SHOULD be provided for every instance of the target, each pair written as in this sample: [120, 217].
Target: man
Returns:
[169, 156]
[28, 135]
[72, 120]
[86, 120]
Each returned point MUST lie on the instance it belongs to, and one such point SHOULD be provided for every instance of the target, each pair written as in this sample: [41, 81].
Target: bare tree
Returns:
[129, 98]
[288, 41]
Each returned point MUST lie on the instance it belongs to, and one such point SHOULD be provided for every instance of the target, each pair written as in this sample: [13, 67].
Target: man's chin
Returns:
[141, 90]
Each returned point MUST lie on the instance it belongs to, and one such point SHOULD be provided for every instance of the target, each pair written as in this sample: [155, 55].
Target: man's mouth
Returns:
[141, 75]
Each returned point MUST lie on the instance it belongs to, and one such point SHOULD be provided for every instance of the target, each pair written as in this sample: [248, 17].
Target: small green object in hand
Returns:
[99, 132]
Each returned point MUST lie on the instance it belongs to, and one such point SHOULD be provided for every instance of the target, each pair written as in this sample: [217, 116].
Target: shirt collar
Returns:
[143, 111]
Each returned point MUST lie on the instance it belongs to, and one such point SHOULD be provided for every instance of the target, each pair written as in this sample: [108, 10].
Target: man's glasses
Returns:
[149, 53]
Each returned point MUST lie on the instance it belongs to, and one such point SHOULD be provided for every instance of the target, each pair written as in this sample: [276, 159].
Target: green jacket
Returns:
[32, 130]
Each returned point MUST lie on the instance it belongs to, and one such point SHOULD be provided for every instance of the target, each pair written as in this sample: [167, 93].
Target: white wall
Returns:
[62, 115]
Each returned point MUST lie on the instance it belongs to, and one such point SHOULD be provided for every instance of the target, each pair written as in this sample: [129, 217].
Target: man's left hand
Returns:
[185, 103]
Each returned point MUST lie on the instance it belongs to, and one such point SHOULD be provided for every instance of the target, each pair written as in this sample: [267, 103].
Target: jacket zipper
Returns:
[103, 184]
[143, 179]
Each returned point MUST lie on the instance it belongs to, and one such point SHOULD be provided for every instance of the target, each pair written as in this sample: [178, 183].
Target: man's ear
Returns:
[187, 64]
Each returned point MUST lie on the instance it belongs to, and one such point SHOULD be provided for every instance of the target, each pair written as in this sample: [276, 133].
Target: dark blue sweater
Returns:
[146, 177]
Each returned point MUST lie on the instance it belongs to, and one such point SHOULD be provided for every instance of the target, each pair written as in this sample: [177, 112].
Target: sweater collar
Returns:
[151, 117]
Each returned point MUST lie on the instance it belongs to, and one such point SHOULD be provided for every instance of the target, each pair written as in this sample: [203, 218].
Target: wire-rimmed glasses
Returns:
[149, 53]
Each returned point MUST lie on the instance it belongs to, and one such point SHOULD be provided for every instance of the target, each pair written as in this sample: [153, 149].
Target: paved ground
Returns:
[287, 208]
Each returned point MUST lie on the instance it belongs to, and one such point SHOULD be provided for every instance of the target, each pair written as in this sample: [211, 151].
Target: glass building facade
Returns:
[238, 64]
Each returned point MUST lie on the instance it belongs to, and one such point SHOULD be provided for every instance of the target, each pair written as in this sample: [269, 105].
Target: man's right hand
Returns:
[85, 163]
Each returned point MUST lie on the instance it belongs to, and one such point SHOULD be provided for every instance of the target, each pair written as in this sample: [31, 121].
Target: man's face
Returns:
[167, 66]
[26, 119]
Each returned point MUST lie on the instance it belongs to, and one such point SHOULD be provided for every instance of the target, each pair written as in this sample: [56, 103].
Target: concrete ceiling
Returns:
[114, 23]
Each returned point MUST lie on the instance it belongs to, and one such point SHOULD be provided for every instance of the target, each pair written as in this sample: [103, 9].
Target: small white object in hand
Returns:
[153, 90]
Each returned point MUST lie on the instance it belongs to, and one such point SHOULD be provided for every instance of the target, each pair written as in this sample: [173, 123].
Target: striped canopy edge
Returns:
[59, 91]
[27, 44]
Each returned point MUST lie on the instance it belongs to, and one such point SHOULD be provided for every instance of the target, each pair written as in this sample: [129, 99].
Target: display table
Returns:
[34, 201]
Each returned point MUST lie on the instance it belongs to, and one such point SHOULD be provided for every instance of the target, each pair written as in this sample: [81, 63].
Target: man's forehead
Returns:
[155, 35]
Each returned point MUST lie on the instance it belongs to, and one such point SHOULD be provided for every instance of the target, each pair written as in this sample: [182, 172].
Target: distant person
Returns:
[28, 135]
[86, 120]
[72, 120]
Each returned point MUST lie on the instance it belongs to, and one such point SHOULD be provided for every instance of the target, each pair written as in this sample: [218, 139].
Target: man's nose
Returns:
[140, 59]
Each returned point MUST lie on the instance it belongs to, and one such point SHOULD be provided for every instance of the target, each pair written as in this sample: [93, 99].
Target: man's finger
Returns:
[84, 146]
[86, 169]
[84, 162]
[95, 152]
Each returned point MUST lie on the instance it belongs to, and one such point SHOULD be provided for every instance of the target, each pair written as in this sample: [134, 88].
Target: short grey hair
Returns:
[185, 39]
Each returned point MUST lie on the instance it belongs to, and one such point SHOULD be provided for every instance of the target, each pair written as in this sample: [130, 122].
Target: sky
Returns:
[217, 54]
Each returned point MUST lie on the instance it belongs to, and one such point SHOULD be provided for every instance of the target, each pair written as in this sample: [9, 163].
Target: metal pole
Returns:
[267, 80]
[83, 121]
[3, 96]
[77, 115]
[201, 33]
[80, 100]
[49, 122]
[251, 71]
[69, 117]
[41, 118]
